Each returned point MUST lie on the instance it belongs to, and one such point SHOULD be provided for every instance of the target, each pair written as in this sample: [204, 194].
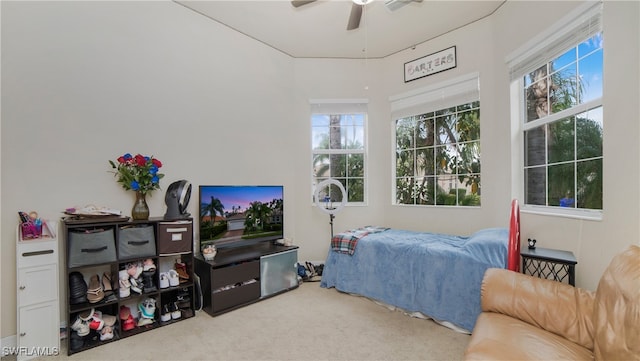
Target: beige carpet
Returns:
[308, 323]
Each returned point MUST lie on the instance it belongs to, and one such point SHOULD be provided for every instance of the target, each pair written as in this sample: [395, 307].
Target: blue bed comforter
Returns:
[436, 274]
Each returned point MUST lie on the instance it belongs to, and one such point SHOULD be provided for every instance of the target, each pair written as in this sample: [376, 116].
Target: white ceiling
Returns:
[318, 29]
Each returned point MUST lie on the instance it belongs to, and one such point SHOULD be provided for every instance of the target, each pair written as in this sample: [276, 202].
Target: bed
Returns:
[430, 274]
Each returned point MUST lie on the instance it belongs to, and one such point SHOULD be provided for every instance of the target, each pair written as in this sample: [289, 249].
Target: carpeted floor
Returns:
[308, 323]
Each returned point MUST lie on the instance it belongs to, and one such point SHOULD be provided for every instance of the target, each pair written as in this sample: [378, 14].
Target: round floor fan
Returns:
[177, 200]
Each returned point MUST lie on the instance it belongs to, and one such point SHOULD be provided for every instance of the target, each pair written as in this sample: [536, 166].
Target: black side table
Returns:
[545, 262]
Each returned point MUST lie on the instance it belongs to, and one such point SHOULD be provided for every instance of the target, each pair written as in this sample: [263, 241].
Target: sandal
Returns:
[95, 293]
[107, 286]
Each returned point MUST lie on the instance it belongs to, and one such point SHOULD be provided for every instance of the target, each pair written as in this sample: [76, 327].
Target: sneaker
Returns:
[136, 285]
[174, 279]
[144, 321]
[147, 308]
[164, 280]
[175, 311]
[166, 313]
[81, 327]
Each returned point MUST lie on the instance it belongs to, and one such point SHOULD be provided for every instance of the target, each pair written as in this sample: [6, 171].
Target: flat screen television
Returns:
[235, 215]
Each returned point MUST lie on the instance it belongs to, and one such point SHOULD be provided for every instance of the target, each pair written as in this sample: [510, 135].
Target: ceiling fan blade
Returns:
[354, 17]
[298, 3]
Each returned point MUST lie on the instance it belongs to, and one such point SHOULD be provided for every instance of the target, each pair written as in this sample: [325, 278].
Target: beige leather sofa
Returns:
[527, 318]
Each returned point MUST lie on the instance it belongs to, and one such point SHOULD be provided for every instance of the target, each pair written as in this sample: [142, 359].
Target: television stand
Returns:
[239, 276]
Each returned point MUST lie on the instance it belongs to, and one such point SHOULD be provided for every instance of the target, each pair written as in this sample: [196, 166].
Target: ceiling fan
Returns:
[357, 6]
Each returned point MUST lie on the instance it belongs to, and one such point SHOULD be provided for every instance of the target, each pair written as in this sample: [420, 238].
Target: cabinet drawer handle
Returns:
[22, 287]
[37, 253]
[22, 334]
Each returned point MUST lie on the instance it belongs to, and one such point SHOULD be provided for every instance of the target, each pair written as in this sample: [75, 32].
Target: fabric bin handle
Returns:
[138, 243]
[93, 250]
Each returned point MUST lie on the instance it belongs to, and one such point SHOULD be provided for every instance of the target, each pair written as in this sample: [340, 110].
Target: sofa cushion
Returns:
[553, 306]
[500, 337]
[617, 309]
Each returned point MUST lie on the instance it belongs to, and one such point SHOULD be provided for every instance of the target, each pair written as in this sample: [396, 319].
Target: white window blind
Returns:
[338, 106]
[577, 26]
[457, 91]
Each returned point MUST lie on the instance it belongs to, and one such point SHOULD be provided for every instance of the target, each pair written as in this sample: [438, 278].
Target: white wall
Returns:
[83, 82]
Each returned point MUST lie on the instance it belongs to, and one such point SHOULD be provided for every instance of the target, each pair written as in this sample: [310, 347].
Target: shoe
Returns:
[109, 320]
[144, 321]
[166, 313]
[81, 327]
[174, 278]
[95, 293]
[125, 286]
[183, 300]
[175, 311]
[147, 280]
[181, 268]
[186, 312]
[76, 341]
[136, 286]
[106, 333]
[128, 323]
[147, 308]
[148, 265]
[164, 280]
[96, 324]
[134, 269]
[107, 286]
[77, 288]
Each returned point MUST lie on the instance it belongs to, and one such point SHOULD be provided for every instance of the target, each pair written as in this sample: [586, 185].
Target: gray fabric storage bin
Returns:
[91, 247]
[137, 241]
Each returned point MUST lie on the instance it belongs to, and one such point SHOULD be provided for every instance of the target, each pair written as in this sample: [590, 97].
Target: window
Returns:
[562, 118]
[338, 142]
[437, 145]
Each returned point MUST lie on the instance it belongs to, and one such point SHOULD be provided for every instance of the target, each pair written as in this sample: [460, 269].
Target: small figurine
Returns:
[532, 243]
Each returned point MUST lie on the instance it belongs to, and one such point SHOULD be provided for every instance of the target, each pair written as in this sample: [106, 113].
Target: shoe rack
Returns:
[125, 277]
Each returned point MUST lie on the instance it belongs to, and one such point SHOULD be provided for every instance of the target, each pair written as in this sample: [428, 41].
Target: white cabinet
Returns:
[38, 301]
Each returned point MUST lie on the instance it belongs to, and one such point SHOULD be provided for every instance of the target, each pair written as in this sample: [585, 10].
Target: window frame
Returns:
[572, 30]
[341, 107]
[451, 93]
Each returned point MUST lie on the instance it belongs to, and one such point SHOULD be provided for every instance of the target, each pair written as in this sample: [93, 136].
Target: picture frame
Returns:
[430, 64]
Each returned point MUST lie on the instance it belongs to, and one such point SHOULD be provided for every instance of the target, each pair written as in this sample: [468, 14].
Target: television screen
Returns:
[240, 214]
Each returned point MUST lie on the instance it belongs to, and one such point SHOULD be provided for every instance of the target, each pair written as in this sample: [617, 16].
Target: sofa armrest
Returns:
[553, 306]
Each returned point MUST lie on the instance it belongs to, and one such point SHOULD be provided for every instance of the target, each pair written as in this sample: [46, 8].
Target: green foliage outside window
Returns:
[438, 157]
